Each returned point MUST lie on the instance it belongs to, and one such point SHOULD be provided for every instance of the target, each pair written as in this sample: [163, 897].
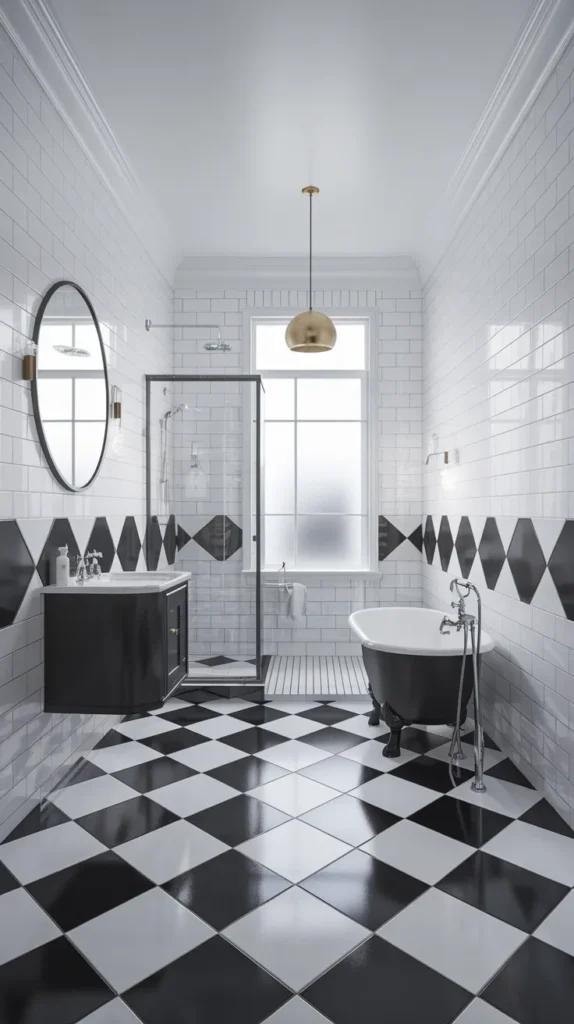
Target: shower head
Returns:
[217, 346]
[175, 410]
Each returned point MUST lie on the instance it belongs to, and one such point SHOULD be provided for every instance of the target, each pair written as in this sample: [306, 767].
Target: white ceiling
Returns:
[226, 108]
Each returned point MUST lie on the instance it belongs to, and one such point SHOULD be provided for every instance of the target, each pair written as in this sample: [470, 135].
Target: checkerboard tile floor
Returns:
[262, 862]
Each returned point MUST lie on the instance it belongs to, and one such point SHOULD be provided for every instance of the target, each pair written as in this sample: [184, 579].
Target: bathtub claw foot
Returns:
[395, 723]
[375, 716]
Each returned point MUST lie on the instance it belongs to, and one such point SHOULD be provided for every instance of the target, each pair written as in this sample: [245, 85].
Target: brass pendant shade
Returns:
[310, 331]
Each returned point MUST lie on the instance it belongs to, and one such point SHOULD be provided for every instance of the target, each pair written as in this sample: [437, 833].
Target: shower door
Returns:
[195, 485]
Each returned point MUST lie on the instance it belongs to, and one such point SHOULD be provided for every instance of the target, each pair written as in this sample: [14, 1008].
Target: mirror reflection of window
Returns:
[71, 387]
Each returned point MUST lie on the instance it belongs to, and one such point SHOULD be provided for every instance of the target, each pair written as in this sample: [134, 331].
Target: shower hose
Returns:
[472, 626]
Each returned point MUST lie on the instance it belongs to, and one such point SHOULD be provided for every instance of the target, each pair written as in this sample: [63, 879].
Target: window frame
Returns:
[254, 317]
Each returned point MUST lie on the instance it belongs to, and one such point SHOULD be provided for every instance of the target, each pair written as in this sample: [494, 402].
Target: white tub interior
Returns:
[409, 631]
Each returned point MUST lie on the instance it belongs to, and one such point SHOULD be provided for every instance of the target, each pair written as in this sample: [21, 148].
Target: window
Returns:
[315, 449]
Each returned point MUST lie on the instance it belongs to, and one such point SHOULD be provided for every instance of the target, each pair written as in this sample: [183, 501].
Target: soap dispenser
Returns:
[63, 567]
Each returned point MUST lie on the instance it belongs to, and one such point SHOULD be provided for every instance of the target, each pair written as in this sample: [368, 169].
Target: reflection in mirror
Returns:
[70, 392]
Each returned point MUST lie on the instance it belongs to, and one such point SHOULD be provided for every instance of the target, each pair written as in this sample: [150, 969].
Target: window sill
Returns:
[300, 574]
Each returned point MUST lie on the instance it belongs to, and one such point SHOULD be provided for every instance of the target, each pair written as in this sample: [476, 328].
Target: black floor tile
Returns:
[212, 984]
[190, 715]
[255, 739]
[417, 740]
[326, 714]
[44, 815]
[521, 898]
[544, 816]
[154, 774]
[350, 820]
[364, 888]
[333, 740]
[339, 773]
[111, 739]
[508, 772]
[82, 771]
[216, 661]
[7, 881]
[469, 738]
[239, 819]
[174, 740]
[248, 773]
[259, 715]
[226, 888]
[459, 820]
[196, 695]
[87, 889]
[432, 773]
[536, 984]
[122, 822]
[50, 985]
[377, 980]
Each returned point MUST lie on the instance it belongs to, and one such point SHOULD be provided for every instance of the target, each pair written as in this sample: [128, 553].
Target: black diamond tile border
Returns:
[101, 540]
[429, 540]
[169, 540]
[526, 560]
[220, 537]
[129, 545]
[445, 543]
[465, 546]
[560, 567]
[389, 538]
[153, 543]
[16, 570]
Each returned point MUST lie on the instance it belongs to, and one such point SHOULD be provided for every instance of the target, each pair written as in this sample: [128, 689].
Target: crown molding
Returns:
[34, 31]
[280, 272]
[544, 38]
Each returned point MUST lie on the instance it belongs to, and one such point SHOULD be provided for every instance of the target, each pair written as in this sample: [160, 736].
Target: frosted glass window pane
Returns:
[59, 439]
[329, 467]
[279, 541]
[55, 399]
[87, 338]
[279, 467]
[89, 441]
[271, 352]
[91, 399]
[323, 399]
[279, 399]
[50, 335]
[329, 542]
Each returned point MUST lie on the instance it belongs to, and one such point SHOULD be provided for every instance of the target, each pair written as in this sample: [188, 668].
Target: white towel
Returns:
[297, 600]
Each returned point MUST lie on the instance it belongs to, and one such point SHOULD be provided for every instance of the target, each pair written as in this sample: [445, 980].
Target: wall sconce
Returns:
[29, 364]
[116, 403]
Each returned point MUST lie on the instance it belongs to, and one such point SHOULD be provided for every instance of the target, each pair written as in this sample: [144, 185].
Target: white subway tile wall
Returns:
[499, 387]
[58, 219]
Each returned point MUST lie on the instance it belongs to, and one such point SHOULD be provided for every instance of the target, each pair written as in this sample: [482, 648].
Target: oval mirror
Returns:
[70, 391]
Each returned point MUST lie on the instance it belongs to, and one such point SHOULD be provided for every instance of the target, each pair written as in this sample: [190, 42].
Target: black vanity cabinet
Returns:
[113, 653]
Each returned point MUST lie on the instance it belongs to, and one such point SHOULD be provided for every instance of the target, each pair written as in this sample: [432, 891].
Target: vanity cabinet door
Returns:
[176, 641]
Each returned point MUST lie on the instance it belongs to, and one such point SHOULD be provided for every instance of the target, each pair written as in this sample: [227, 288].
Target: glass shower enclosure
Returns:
[203, 496]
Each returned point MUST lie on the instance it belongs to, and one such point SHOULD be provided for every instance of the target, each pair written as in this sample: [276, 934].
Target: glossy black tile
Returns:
[221, 538]
[432, 773]
[190, 715]
[239, 819]
[253, 740]
[364, 888]
[7, 881]
[122, 822]
[429, 540]
[536, 984]
[326, 714]
[350, 819]
[152, 544]
[491, 553]
[260, 714]
[169, 541]
[488, 742]
[472, 825]
[508, 772]
[521, 898]
[417, 740]
[192, 990]
[111, 739]
[87, 889]
[16, 570]
[389, 538]
[445, 543]
[465, 545]
[333, 740]
[154, 774]
[416, 537]
[226, 888]
[339, 772]
[248, 773]
[61, 533]
[182, 537]
[81, 771]
[526, 560]
[129, 545]
[174, 740]
[215, 661]
[379, 979]
[44, 815]
[101, 540]
[544, 816]
[50, 985]
[560, 567]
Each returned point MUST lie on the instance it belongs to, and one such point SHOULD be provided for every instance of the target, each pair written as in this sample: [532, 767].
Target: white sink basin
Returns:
[123, 583]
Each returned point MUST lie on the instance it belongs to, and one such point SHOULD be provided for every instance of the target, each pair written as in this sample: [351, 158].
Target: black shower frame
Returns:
[242, 378]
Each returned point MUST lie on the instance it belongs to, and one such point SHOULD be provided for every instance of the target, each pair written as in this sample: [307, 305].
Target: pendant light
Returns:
[310, 331]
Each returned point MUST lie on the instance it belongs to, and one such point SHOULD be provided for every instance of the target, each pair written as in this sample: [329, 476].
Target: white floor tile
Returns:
[215, 728]
[294, 850]
[293, 755]
[293, 707]
[207, 756]
[192, 795]
[294, 794]
[124, 755]
[371, 754]
[228, 705]
[48, 851]
[359, 726]
[418, 851]
[141, 728]
[453, 938]
[395, 795]
[138, 938]
[23, 925]
[479, 1012]
[504, 797]
[491, 757]
[536, 849]
[296, 936]
[86, 797]
[167, 852]
[358, 707]
[558, 928]
[114, 1012]
[296, 1011]
[292, 727]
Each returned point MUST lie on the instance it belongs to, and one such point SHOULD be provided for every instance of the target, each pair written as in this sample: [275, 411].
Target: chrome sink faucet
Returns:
[93, 568]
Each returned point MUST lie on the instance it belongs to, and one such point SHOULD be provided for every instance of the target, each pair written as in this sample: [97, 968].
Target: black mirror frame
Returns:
[35, 403]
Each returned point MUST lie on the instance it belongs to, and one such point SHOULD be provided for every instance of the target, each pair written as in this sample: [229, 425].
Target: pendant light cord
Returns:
[310, 251]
